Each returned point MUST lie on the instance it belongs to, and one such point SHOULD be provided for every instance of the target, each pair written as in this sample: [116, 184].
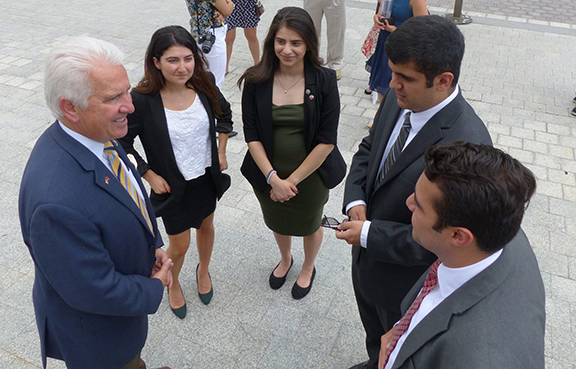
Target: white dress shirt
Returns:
[417, 121]
[449, 280]
[97, 148]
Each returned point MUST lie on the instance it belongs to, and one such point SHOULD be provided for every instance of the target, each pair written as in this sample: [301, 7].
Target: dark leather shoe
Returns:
[232, 134]
[205, 297]
[181, 311]
[363, 365]
[300, 292]
[277, 282]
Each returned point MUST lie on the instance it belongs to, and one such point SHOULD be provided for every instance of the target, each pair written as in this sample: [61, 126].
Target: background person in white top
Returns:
[487, 310]
[207, 17]
[178, 110]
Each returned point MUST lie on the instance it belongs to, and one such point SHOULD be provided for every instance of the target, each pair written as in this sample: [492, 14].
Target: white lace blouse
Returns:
[189, 133]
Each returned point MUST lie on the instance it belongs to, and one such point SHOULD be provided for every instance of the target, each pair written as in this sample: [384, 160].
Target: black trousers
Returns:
[375, 319]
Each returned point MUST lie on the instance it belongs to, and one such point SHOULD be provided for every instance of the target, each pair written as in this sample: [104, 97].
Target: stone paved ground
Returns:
[519, 75]
[558, 11]
[562, 11]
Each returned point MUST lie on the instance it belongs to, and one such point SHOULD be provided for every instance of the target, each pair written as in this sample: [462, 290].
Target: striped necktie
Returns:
[396, 149]
[429, 284]
[120, 172]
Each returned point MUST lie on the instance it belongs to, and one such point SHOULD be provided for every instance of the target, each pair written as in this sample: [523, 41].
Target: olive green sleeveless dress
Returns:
[302, 214]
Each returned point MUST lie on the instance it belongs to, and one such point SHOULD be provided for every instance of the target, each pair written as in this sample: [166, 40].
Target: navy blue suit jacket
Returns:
[93, 255]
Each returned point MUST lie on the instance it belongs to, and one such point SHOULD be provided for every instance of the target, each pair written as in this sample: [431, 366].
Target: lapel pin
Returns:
[311, 97]
[107, 180]
[307, 91]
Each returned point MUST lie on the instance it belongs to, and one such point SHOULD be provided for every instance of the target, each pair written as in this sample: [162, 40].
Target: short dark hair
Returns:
[153, 80]
[433, 43]
[483, 189]
[293, 18]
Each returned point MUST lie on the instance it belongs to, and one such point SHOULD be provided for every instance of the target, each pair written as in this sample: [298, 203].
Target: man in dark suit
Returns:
[423, 107]
[93, 243]
[482, 304]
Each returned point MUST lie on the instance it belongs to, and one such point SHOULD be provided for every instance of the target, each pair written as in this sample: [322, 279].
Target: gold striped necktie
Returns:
[120, 172]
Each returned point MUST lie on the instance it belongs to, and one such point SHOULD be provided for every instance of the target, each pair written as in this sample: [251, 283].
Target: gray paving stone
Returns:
[535, 146]
[526, 157]
[553, 263]
[569, 193]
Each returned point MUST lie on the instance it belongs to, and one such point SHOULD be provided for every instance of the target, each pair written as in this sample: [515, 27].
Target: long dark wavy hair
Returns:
[296, 19]
[153, 80]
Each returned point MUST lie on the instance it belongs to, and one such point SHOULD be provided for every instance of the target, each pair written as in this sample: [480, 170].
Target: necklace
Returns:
[287, 89]
[176, 99]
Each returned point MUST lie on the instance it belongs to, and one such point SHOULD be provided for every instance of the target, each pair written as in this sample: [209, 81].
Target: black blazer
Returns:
[322, 113]
[149, 123]
[393, 261]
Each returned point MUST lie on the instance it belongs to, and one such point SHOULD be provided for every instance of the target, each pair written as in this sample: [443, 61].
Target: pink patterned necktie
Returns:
[430, 282]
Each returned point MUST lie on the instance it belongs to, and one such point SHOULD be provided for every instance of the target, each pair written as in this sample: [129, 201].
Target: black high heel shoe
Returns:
[181, 311]
[300, 292]
[205, 297]
[277, 282]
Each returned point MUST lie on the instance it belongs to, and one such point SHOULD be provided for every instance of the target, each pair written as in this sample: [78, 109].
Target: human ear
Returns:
[461, 237]
[444, 81]
[156, 62]
[68, 109]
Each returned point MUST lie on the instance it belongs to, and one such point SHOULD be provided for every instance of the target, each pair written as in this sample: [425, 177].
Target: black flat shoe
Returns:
[181, 311]
[205, 297]
[232, 134]
[368, 91]
[300, 292]
[277, 282]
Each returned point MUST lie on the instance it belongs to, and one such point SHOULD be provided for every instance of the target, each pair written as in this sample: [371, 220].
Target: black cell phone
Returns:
[391, 21]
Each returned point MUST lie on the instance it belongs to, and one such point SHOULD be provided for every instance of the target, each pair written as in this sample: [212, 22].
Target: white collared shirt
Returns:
[417, 121]
[449, 280]
[97, 148]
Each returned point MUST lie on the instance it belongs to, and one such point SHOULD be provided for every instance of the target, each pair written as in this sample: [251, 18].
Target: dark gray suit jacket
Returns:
[495, 320]
[393, 261]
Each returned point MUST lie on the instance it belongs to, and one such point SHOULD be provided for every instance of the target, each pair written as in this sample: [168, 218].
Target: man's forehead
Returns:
[108, 77]
[409, 69]
[426, 191]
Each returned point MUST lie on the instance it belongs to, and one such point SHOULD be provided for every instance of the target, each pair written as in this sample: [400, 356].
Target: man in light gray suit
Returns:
[481, 305]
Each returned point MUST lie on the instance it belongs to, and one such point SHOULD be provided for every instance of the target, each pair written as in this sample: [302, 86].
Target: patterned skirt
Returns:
[243, 15]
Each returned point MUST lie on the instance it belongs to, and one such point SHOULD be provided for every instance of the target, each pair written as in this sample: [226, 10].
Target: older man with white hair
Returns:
[91, 231]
